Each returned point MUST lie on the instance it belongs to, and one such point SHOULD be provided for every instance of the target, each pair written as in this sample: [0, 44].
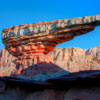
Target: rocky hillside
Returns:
[71, 59]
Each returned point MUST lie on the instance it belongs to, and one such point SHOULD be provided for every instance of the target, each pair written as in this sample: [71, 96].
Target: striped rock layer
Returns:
[44, 36]
[71, 59]
[32, 42]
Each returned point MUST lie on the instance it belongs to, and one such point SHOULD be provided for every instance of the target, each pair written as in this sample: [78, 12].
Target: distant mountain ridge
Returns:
[72, 59]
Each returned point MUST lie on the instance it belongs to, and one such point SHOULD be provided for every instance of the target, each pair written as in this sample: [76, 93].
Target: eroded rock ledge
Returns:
[51, 26]
[43, 37]
[32, 42]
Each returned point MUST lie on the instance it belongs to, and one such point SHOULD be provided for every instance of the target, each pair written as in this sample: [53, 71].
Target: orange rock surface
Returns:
[31, 43]
[69, 59]
[76, 59]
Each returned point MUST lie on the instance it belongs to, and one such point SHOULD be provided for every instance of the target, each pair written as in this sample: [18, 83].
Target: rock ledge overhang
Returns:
[50, 26]
[32, 42]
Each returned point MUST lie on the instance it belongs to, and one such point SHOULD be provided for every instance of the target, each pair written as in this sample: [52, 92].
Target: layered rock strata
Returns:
[32, 42]
[76, 59]
[7, 63]
[70, 59]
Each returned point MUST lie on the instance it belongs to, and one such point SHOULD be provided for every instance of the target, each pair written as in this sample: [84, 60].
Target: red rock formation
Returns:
[7, 63]
[70, 59]
[32, 42]
[76, 59]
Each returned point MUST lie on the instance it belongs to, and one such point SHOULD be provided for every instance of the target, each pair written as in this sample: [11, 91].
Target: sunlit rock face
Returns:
[76, 59]
[70, 59]
[7, 63]
[32, 42]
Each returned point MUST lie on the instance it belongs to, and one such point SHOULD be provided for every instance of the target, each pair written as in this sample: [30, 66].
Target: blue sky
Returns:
[15, 12]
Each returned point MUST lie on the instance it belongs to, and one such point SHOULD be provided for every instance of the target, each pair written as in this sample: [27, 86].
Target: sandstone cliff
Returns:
[7, 62]
[31, 43]
[71, 59]
[76, 59]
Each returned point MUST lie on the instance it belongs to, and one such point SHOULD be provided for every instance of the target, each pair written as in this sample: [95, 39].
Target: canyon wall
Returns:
[7, 63]
[71, 59]
[76, 59]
